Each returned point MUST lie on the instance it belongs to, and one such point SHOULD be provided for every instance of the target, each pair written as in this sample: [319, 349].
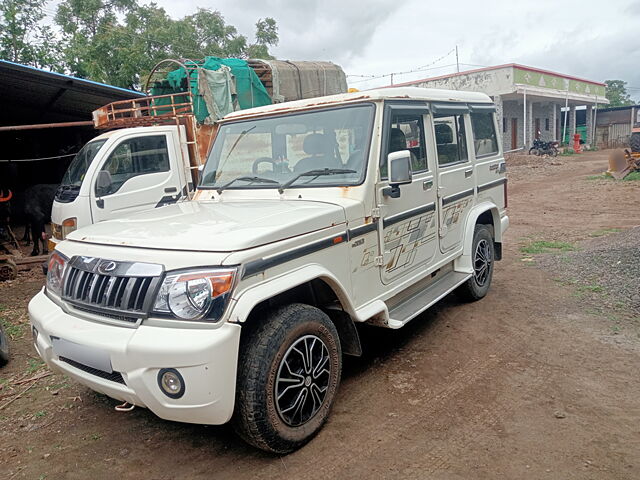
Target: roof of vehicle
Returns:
[405, 93]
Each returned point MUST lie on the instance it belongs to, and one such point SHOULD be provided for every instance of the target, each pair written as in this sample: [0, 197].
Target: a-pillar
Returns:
[589, 139]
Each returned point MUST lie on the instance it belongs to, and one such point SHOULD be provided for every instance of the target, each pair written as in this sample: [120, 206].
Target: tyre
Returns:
[634, 142]
[534, 151]
[4, 348]
[553, 151]
[482, 253]
[288, 375]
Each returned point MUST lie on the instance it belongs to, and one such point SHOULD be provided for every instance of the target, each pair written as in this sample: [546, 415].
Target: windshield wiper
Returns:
[314, 173]
[244, 179]
[240, 137]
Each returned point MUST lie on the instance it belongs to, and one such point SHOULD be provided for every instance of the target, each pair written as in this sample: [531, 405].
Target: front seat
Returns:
[320, 148]
[397, 140]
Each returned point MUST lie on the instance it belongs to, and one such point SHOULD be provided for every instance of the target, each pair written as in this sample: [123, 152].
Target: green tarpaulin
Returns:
[246, 90]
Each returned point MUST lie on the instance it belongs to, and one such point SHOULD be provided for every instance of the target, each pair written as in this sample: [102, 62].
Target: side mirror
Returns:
[399, 168]
[103, 183]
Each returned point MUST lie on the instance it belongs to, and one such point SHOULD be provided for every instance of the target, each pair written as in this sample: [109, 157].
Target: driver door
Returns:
[144, 171]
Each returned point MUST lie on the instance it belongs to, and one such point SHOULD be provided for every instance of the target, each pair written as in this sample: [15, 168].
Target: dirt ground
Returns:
[531, 382]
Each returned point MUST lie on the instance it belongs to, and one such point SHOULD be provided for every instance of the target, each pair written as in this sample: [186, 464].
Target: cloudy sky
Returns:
[587, 38]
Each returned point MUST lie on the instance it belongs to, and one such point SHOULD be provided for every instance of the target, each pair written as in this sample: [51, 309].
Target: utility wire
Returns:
[421, 68]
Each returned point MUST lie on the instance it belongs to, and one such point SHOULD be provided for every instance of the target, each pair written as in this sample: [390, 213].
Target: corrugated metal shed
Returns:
[30, 95]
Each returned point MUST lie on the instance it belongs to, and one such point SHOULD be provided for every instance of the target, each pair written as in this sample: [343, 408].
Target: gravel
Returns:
[608, 264]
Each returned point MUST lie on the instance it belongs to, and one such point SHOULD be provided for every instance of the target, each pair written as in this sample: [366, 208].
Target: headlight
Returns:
[60, 232]
[55, 272]
[195, 295]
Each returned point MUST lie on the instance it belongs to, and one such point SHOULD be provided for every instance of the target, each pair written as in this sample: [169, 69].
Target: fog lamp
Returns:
[171, 382]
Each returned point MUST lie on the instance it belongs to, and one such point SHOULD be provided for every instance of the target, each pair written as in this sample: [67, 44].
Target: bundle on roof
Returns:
[223, 85]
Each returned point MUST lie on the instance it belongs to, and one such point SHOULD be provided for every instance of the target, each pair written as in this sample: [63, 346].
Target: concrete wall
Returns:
[542, 112]
[491, 82]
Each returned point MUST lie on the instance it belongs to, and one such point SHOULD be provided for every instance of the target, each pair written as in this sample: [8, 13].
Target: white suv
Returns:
[311, 217]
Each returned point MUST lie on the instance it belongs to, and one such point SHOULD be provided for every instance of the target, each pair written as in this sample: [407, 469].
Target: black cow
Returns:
[38, 201]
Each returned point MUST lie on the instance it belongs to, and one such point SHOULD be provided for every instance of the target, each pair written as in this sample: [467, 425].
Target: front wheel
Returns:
[288, 375]
[482, 259]
[534, 151]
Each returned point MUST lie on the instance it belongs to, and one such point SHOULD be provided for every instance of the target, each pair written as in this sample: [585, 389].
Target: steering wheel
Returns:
[276, 167]
[258, 161]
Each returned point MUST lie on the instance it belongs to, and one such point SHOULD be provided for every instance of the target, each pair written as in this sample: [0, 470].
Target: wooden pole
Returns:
[37, 126]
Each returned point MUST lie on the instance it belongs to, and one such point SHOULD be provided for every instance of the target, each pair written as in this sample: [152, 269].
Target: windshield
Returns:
[80, 163]
[277, 149]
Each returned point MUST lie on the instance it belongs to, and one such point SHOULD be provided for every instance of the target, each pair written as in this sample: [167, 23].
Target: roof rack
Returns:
[144, 112]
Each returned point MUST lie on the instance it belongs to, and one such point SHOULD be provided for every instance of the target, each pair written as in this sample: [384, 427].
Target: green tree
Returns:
[266, 35]
[617, 93]
[119, 41]
[23, 36]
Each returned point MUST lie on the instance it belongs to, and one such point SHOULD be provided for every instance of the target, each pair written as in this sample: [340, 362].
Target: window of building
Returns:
[546, 124]
[484, 133]
[136, 156]
[407, 133]
[504, 125]
[450, 139]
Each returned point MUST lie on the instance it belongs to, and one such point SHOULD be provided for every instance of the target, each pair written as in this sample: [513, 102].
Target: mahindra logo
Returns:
[107, 266]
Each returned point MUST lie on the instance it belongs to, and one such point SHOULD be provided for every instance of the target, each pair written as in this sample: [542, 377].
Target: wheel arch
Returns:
[313, 285]
[485, 213]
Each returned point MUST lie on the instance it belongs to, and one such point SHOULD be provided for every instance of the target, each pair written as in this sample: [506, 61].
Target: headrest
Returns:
[317, 144]
[397, 140]
[444, 134]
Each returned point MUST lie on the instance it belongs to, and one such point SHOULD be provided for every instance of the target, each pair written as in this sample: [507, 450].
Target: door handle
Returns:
[467, 173]
[427, 184]
[170, 190]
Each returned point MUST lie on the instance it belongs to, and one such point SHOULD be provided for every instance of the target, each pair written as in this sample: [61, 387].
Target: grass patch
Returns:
[591, 288]
[604, 231]
[631, 177]
[567, 152]
[544, 246]
[14, 331]
[602, 176]
[34, 365]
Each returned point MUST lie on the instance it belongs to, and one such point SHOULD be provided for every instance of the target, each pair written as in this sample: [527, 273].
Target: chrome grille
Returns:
[111, 288]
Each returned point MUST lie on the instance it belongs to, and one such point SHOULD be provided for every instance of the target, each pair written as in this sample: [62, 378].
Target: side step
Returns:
[418, 302]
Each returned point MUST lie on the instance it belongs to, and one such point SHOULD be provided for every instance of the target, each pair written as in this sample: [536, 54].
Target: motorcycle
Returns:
[541, 148]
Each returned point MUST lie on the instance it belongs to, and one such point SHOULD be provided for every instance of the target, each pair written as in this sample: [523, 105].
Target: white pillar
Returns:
[524, 120]
[589, 123]
[554, 122]
[572, 123]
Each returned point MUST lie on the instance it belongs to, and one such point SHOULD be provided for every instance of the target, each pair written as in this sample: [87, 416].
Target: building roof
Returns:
[394, 93]
[32, 95]
[613, 109]
[497, 67]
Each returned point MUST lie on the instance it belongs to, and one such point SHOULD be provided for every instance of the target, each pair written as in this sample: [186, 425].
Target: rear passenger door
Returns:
[456, 180]
[489, 162]
[408, 223]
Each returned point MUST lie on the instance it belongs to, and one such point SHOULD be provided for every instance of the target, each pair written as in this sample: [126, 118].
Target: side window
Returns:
[451, 141]
[406, 133]
[136, 156]
[484, 133]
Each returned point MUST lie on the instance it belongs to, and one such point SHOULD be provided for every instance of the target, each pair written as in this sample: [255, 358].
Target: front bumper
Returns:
[206, 359]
